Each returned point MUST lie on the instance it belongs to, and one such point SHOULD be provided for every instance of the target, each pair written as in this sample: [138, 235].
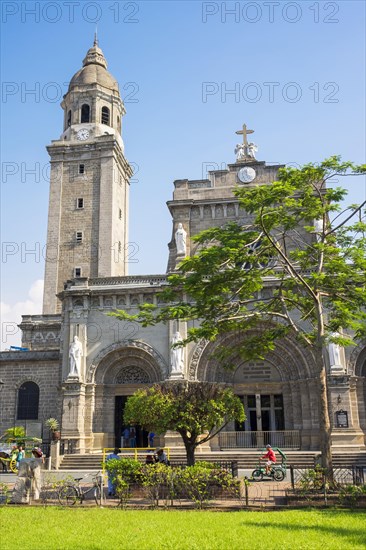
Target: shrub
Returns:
[124, 472]
[159, 481]
[129, 469]
[349, 494]
[201, 482]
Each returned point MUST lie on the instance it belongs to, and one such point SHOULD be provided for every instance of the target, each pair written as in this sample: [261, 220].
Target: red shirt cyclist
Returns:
[271, 458]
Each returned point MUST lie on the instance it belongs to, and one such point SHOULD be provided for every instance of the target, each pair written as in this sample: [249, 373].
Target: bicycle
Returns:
[277, 471]
[72, 492]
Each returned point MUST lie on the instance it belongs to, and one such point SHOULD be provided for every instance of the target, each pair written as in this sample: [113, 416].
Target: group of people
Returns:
[129, 438]
[18, 453]
[159, 456]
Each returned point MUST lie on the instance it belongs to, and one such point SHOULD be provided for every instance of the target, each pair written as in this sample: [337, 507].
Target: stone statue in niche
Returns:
[176, 354]
[334, 351]
[75, 355]
[181, 239]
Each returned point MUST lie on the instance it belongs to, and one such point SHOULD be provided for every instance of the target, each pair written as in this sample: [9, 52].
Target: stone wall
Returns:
[41, 367]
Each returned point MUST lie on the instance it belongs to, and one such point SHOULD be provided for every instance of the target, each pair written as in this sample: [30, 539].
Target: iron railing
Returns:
[314, 479]
[285, 439]
[67, 446]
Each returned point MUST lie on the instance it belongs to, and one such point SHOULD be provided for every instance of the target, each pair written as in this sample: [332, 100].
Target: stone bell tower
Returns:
[89, 185]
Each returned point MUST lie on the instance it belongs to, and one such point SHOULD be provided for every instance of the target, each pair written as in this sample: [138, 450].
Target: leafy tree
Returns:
[17, 433]
[296, 242]
[196, 410]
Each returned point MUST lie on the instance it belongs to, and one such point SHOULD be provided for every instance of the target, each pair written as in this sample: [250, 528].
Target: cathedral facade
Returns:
[81, 364]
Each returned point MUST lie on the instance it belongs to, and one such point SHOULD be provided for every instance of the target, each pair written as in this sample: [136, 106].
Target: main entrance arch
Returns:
[117, 373]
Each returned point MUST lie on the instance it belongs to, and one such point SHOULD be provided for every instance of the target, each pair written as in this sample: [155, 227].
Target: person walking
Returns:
[132, 437]
[20, 455]
[126, 437]
[150, 439]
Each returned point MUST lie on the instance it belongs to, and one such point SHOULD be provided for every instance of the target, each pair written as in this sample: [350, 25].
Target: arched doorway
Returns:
[119, 371]
[279, 393]
[125, 435]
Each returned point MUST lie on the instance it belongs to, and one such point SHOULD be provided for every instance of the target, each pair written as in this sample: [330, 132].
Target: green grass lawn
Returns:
[58, 529]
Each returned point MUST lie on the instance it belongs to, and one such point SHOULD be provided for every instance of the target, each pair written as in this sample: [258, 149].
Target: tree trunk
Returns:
[190, 450]
[324, 421]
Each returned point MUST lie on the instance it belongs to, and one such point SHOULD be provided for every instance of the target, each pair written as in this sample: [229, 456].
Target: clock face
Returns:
[82, 134]
[246, 174]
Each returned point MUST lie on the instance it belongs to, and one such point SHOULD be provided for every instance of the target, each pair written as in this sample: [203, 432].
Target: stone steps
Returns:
[245, 459]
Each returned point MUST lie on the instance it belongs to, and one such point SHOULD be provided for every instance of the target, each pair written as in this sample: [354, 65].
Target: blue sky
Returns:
[296, 75]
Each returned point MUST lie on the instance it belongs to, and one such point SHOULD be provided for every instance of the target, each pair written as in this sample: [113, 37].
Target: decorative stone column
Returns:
[88, 416]
[73, 411]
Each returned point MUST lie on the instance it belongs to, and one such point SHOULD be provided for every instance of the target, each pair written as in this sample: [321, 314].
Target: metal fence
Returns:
[317, 478]
[285, 439]
[67, 446]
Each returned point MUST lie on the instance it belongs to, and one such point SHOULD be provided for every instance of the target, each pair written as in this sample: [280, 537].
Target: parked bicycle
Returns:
[73, 492]
[277, 471]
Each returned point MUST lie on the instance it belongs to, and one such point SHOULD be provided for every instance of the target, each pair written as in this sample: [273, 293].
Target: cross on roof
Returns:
[244, 132]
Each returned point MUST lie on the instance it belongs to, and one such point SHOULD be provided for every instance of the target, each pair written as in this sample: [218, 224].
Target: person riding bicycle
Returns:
[271, 458]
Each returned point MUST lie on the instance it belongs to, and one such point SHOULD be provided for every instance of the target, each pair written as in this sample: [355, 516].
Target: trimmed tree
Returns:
[196, 410]
[299, 245]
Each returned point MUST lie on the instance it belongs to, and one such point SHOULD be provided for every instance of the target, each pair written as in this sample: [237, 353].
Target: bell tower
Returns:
[87, 232]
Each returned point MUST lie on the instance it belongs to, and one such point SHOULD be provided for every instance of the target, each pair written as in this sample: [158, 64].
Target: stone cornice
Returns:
[21, 356]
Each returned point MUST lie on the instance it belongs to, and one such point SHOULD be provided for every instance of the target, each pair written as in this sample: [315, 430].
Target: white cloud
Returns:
[11, 315]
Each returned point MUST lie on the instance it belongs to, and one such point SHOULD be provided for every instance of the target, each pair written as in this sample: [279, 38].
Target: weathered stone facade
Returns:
[117, 357]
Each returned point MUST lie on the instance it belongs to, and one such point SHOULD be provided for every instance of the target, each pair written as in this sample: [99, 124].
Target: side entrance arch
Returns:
[279, 393]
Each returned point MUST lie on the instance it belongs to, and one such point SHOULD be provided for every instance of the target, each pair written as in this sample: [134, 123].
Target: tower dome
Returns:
[92, 106]
[94, 70]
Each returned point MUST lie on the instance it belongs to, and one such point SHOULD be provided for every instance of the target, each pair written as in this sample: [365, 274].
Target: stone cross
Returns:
[244, 132]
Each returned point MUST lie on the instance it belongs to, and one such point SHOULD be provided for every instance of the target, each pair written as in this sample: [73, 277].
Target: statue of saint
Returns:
[176, 354]
[75, 355]
[318, 229]
[251, 150]
[334, 351]
[239, 151]
[181, 240]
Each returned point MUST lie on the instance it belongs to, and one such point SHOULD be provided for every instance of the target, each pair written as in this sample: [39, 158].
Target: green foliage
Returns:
[124, 472]
[52, 424]
[199, 482]
[350, 494]
[15, 434]
[310, 267]
[129, 469]
[158, 480]
[190, 408]
[123, 490]
[51, 486]
[312, 480]
[317, 480]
